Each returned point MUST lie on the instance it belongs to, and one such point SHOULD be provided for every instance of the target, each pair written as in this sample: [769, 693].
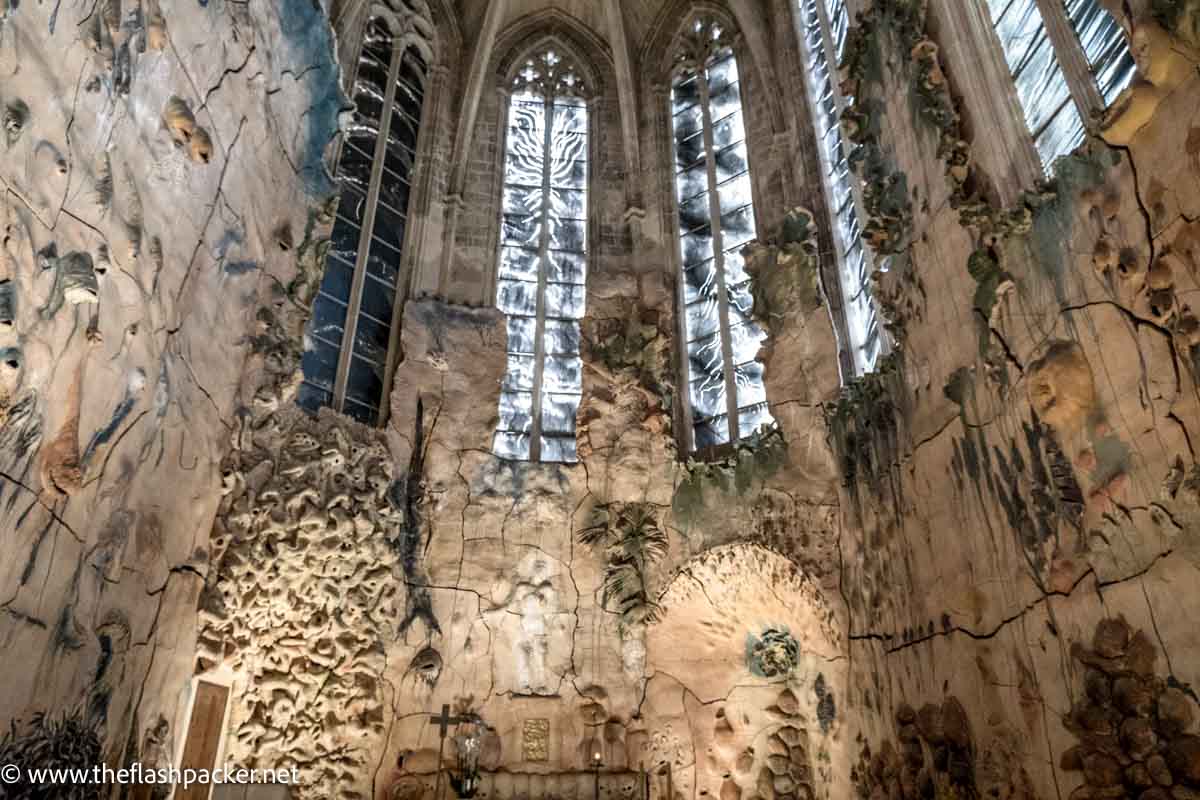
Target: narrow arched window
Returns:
[727, 397]
[823, 27]
[543, 259]
[346, 345]
[1041, 40]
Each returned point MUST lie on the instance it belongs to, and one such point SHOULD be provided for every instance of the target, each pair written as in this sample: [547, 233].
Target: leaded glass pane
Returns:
[731, 162]
[328, 319]
[542, 271]
[518, 263]
[559, 448]
[517, 297]
[558, 412]
[859, 311]
[521, 333]
[365, 384]
[735, 194]
[561, 337]
[710, 154]
[1042, 87]
[711, 432]
[519, 374]
[728, 131]
[515, 446]
[371, 339]
[319, 362]
[565, 300]
[746, 339]
[750, 388]
[752, 420]
[516, 411]
[708, 396]
[563, 374]
[703, 318]
[391, 111]
[700, 282]
[1105, 46]
[568, 234]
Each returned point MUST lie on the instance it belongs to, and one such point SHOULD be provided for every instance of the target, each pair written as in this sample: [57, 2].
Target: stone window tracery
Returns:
[348, 341]
[727, 396]
[1041, 39]
[543, 258]
[824, 24]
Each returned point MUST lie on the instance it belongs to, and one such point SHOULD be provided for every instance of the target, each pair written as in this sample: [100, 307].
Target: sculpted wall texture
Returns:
[1020, 471]
[972, 573]
[146, 263]
[508, 568]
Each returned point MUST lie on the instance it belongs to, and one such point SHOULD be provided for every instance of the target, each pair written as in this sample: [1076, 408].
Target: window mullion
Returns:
[714, 213]
[539, 344]
[364, 241]
[1072, 60]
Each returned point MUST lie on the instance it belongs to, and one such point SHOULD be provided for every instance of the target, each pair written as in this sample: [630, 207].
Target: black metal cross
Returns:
[444, 720]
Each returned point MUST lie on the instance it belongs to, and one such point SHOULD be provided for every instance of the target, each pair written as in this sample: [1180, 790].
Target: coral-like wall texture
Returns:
[970, 573]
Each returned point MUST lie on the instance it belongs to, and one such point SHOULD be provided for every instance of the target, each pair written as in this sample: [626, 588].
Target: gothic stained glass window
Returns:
[728, 399]
[823, 27]
[1035, 61]
[543, 260]
[347, 340]
[1104, 45]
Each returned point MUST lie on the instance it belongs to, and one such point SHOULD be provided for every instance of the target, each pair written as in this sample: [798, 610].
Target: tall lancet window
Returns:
[728, 400]
[543, 259]
[823, 27]
[1040, 36]
[346, 345]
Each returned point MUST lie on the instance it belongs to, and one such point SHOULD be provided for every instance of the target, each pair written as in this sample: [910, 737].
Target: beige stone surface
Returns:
[971, 573]
[145, 154]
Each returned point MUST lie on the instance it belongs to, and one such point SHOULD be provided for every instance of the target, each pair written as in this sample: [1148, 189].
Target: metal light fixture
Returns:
[468, 741]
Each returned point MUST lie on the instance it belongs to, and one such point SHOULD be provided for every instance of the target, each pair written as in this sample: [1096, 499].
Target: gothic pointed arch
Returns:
[542, 255]
[677, 17]
[583, 47]
[713, 217]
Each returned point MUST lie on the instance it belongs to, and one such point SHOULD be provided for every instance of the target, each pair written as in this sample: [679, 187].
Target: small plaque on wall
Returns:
[535, 740]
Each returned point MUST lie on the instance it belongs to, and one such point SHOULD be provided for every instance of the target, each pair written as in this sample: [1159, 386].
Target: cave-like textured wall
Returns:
[161, 183]
[1019, 501]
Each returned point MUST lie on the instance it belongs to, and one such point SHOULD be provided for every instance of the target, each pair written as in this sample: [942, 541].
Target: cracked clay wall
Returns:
[1019, 479]
[152, 293]
[723, 660]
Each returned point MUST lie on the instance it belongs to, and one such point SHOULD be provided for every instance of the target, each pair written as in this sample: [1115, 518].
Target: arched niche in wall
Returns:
[746, 665]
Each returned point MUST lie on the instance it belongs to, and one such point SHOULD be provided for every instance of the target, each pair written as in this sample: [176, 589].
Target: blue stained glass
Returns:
[363, 354]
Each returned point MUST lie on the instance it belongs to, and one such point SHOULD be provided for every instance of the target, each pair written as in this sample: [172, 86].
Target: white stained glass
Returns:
[1042, 87]
[1105, 46]
[712, 176]
[541, 276]
[858, 308]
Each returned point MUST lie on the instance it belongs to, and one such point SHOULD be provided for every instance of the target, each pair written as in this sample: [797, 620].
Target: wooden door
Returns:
[200, 749]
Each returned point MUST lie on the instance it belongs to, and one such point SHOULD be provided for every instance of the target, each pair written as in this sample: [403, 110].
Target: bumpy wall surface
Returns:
[160, 179]
[1019, 503]
[722, 654]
